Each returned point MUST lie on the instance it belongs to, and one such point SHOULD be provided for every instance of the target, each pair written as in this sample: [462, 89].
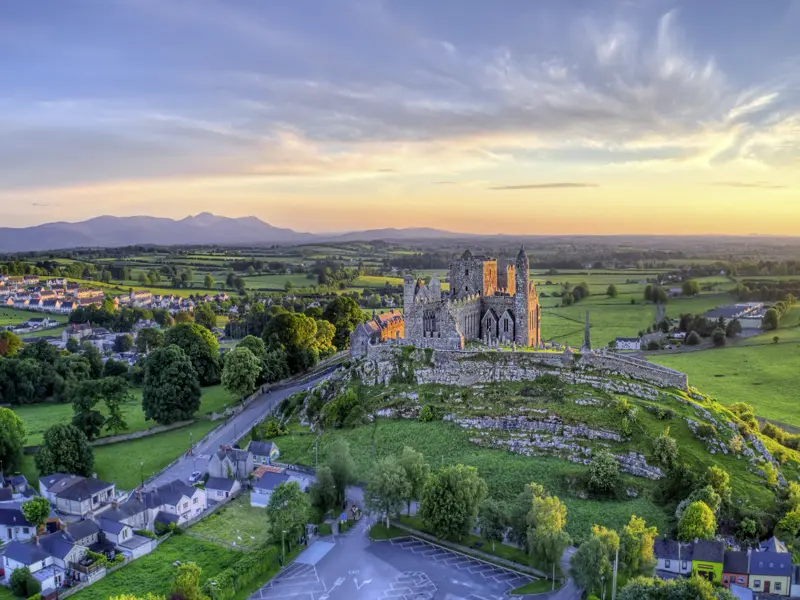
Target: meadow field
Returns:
[15, 316]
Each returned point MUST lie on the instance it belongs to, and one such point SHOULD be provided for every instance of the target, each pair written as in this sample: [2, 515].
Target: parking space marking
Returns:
[413, 585]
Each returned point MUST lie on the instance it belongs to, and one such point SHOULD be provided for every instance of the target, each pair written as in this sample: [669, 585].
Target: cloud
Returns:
[757, 185]
[542, 186]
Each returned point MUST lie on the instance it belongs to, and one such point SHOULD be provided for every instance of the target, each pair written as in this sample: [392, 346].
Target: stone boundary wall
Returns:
[469, 367]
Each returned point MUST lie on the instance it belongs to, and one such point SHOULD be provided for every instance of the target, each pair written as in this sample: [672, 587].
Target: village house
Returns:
[77, 331]
[173, 502]
[231, 463]
[41, 322]
[13, 525]
[263, 452]
[735, 568]
[219, 489]
[673, 558]
[76, 495]
[67, 306]
[266, 479]
[140, 298]
[627, 343]
[707, 558]
[770, 569]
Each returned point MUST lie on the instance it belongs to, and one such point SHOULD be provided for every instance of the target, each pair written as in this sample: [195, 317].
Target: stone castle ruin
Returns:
[489, 301]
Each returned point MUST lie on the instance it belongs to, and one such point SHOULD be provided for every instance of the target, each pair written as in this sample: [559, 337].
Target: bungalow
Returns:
[40, 322]
[221, 488]
[623, 343]
[264, 486]
[263, 452]
[231, 463]
[13, 524]
[771, 569]
[673, 557]
[76, 495]
[78, 331]
[49, 560]
[707, 558]
[734, 568]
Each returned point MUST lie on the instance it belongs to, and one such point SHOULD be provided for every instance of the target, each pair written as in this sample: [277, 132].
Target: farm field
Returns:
[277, 282]
[766, 376]
[377, 281]
[153, 573]
[37, 418]
[236, 523]
[49, 332]
[15, 316]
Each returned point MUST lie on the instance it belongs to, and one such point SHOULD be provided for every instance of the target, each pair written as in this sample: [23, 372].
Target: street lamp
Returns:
[141, 471]
[213, 587]
[283, 546]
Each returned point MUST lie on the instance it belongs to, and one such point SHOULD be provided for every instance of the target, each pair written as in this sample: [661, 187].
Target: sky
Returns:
[490, 116]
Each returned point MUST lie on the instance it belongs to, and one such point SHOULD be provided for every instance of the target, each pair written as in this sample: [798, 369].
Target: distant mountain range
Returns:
[205, 228]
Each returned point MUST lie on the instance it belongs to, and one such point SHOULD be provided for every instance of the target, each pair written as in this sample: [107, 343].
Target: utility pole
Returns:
[553, 580]
[614, 579]
[316, 452]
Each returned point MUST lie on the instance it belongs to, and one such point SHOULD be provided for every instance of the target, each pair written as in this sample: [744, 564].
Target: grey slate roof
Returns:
[269, 481]
[771, 563]
[169, 493]
[709, 551]
[773, 544]
[220, 483]
[73, 487]
[11, 515]
[113, 527]
[18, 480]
[735, 562]
[166, 518]
[668, 550]
[83, 529]
[260, 448]
[57, 544]
[26, 553]
[235, 454]
[6, 494]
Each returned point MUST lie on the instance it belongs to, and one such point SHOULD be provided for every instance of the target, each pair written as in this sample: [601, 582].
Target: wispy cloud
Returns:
[757, 185]
[543, 186]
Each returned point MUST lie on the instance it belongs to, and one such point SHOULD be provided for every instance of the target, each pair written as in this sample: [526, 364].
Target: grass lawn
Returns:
[49, 332]
[6, 593]
[540, 586]
[153, 573]
[39, 417]
[382, 532]
[278, 282]
[15, 316]
[765, 376]
[236, 523]
[377, 281]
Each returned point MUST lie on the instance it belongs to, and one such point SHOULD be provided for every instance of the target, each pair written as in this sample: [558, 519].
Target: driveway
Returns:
[229, 433]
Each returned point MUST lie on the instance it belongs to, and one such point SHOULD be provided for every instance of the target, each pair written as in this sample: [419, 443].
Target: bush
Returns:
[19, 581]
[693, 339]
[427, 414]
[119, 558]
[249, 569]
[145, 533]
[705, 431]
[33, 588]
[96, 558]
[35, 596]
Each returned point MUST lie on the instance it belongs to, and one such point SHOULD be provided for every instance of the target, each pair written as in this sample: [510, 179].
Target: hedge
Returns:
[244, 572]
[145, 533]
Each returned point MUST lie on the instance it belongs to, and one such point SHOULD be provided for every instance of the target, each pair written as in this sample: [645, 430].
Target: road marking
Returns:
[363, 583]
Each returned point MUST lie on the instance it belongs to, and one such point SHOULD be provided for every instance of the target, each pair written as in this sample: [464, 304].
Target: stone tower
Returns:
[587, 340]
[409, 283]
[522, 280]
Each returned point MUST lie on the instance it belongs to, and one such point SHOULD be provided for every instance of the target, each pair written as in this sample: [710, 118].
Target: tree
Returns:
[492, 520]
[697, 521]
[648, 292]
[12, 440]
[200, 346]
[297, 334]
[665, 449]
[123, 343]
[323, 491]
[519, 511]
[450, 501]
[693, 339]
[733, 329]
[186, 583]
[789, 526]
[20, 582]
[9, 343]
[603, 473]
[718, 337]
[776, 339]
[771, 320]
[255, 345]
[36, 511]
[676, 589]
[770, 474]
[208, 281]
[324, 338]
[690, 287]
[85, 396]
[747, 532]
[388, 487]
[241, 371]
[342, 467]
[171, 390]
[417, 472]
[183, 318]
[288, 511]
[345, 315]
[547, 537]
[636, 546]
[205, 316]
[65, 449]
[720, 481]
[590, 564]
[149, 339]
[611, 291]
[92, 354]
[706, 495]
[73, 346]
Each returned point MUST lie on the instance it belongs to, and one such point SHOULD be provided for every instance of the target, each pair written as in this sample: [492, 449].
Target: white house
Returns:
[173, 502]
[628, 343]
[264, 453]
[115, 531]
[13, 525]
[264, 486]
[47, 560]
[76, 495]
[231, 462]
[219, 489]
[673, 557]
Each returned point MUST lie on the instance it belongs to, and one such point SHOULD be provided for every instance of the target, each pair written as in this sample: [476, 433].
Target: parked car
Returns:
[195, 477]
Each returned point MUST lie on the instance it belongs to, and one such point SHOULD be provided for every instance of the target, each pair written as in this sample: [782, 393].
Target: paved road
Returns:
[229, 432]
[350, 567]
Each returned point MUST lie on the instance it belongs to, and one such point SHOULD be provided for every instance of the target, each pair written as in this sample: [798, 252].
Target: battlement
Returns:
[464, 301]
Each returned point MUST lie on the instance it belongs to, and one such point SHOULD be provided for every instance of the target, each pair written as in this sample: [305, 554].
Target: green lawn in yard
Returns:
[540, 586]
[39, 417]
[382, 532]
[236, 523]
[6, 593]
[765, 376]
[15, 316]
[154, 572]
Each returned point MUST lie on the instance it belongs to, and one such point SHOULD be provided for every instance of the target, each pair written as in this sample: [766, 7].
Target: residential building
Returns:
[173, 502]
[707, 559]
[219, 489]
[115, 531]
[263, 452]
[140, 298]
[77, 331]
[625, 343]
[13, 524]
[76, 495]
[771, 569]
[673, 557]
[49, 560]
[231, 463]
[85, 532]
[264, 486]
[735, 568]
[41, 322]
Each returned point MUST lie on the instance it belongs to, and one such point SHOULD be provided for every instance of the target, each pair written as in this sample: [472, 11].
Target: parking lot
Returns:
[351, 567]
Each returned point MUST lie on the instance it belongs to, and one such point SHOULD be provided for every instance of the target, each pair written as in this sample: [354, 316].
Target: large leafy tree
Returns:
[200, 346]
[288, 511]
[603, 473]
[324, 338]
[297, 334]
[547, 537]
[450, 501]
[254, 344]
[9, 343]
[345, 315]
[492, 520]
[388, 487]
[205, 316]
[677, 589]
[85, 396]
[186, 582]
[520, 510]
[149, 339]
[241, 372]
[171, 390]
[323, 491]
[36, 511]
[590, 564]
[65, 449]
[12, 439]
[697, 521]
[342, 467]
[636, 546]
[417, 472]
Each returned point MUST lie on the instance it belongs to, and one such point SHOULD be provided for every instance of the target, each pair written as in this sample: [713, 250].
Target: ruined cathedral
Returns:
[489, 301]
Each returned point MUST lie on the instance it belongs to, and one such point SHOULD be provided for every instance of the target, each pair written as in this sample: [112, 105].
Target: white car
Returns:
[195, 477]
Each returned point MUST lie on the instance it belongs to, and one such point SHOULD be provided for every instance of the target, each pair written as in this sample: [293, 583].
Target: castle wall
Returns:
[472, 275]
[466, 315]
[506, 278]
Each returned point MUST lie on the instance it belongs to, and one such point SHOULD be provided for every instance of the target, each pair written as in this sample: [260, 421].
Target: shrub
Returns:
[97, 558]
[603, 473]
[36, 596]
[243, 573]
[33, 588]
[426, 414]
[705, 431]
[145, 533]
[693, 339]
